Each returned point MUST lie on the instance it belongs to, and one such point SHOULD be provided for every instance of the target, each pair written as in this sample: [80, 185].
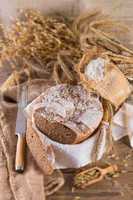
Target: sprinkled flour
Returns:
[95, 70]
[72, 106]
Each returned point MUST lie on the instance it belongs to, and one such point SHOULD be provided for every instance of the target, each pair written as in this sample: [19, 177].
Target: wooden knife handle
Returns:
[20, 153]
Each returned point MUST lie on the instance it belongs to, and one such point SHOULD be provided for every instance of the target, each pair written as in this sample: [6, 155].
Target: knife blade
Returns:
[21, 126]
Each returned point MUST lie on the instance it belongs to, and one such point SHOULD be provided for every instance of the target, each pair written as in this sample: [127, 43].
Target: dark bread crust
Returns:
[57, 131]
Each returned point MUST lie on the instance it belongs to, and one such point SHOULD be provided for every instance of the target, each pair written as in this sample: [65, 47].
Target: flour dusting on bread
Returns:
[72, 106]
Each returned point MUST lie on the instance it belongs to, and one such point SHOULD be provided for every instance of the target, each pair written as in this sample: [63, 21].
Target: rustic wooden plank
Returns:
[120, 188]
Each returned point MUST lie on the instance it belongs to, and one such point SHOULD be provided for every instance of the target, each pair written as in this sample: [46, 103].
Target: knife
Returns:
[21, 126]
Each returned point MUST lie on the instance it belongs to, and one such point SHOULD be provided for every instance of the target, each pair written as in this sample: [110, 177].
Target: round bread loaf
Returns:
[68, 114]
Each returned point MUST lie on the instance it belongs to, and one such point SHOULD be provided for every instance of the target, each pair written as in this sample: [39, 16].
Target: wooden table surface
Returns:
[120, 188]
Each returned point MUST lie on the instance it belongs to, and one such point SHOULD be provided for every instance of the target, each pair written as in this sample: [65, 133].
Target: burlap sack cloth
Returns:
[32, 184]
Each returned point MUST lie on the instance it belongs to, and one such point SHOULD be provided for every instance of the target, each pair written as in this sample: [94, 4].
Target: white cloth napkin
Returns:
[74, 155]
[70, 155]
[123, 123]
[79, 155]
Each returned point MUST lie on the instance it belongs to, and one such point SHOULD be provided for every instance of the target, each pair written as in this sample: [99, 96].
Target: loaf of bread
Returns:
[67, 114]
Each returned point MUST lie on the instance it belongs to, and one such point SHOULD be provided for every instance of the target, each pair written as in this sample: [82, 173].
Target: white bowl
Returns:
[73, 155]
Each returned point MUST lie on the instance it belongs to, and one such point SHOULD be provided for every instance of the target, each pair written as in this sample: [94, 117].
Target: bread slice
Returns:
[38, 150]
[67, 114]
